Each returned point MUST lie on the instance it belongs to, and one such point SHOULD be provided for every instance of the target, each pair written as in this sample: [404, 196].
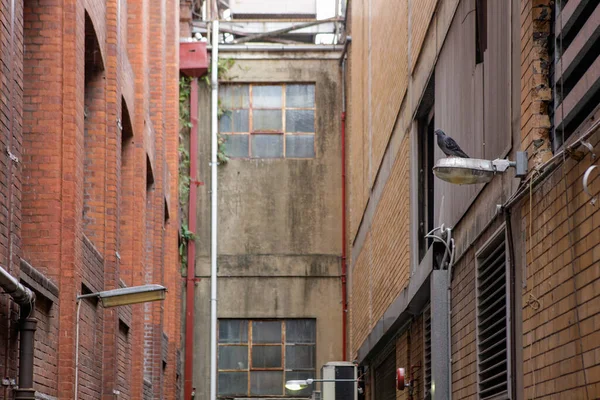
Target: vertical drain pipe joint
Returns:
[25, 298]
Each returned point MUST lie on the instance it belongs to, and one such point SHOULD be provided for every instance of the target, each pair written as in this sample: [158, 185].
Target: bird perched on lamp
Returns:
[448, 145]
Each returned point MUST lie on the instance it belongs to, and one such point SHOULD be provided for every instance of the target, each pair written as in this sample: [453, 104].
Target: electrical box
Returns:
[193, 58]
[339, 390]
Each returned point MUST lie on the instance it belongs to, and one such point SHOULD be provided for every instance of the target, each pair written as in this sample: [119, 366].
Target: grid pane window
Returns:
[256, 357]
[268, 121]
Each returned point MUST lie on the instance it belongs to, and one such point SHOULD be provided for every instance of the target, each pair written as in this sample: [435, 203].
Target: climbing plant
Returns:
[224, 66]
[184, 166]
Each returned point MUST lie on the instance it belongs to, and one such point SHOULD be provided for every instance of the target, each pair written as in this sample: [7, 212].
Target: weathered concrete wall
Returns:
[279, 219]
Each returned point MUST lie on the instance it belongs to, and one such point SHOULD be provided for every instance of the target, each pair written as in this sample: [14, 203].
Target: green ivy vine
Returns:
[224, 66]
[223, 69]
[184, 167]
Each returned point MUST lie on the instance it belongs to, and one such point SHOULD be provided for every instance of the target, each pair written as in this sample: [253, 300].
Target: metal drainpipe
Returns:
[214, 82]
[191, 254]
[344, 249]
[25, 298]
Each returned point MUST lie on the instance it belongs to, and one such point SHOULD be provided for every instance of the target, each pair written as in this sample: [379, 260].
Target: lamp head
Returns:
[295, 385]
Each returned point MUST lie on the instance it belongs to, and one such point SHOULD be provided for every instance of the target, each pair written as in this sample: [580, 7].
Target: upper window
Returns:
[257, 357]
[268, 121]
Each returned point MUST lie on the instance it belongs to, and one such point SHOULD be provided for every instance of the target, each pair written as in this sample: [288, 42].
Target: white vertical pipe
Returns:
[214, 80]
[76, 389]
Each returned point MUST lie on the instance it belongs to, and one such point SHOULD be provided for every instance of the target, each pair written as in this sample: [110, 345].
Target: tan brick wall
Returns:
[563, 273]
[420, 12]
[409, 355]
[389, 73]
[383, 266]
[357, 101]
[464, 356]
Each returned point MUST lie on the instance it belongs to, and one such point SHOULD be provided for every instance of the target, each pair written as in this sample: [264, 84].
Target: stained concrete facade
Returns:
[280, 220]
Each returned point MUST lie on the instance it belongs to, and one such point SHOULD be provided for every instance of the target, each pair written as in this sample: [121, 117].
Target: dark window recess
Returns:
[575, 73]
[481, 29]
[385, 378]
[492, 321]
[427, 352]
[425, 193]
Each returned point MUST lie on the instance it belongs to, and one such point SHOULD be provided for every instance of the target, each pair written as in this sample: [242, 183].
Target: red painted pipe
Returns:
[191, 249]
[344, 289]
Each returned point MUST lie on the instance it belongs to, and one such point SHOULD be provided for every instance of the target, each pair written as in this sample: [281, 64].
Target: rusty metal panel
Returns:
[421, 12]
[458, 108]
[389, 72]
[496, 100]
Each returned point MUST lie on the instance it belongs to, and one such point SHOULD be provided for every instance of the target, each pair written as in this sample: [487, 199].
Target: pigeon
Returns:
[448, 145]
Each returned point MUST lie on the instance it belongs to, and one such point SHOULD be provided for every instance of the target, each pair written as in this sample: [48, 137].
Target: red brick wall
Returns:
[90, 350]
[11, 71]
[123, 362]
[83, 205]
[45, 362]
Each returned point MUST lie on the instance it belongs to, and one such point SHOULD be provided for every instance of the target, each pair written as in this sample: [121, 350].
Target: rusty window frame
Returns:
[250, 344]
[283, 132]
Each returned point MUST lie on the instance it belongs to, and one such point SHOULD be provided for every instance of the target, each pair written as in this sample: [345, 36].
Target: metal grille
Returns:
[427, 351]
[492, 333]
[385, 378]
[575, 75]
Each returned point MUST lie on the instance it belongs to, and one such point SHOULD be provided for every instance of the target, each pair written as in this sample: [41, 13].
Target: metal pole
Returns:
[213, 233]
[77, 349]
[27, 327]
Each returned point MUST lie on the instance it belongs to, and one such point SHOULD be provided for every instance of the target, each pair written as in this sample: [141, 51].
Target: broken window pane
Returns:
[300, 357]
[233, 357]
[300, 96]
[266, 357]
[233, 331]
[300, 375]
[236, 145]
[300, 331]
[266, 120]
[266, 332]
[233, 383]
[266, 96]
[299, 121]
[266, 383]
[299, 146]
[267, 146]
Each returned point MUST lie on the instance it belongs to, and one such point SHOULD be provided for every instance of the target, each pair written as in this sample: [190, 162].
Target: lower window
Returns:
[257, 357]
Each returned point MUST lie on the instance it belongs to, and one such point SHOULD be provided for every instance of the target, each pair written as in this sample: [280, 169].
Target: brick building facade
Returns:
[89, 132]
[499, 77]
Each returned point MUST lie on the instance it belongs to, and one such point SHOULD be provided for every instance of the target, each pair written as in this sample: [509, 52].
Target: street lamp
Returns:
[116, 298]
[128, 295]
[295, 385]
[467, 171]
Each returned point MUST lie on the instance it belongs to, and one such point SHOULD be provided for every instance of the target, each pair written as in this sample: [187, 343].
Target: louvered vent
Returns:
[385, 377]
[492, 331]
[427, 351]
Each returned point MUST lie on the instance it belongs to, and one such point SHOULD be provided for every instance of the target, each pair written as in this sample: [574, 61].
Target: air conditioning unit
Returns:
[339, 390]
